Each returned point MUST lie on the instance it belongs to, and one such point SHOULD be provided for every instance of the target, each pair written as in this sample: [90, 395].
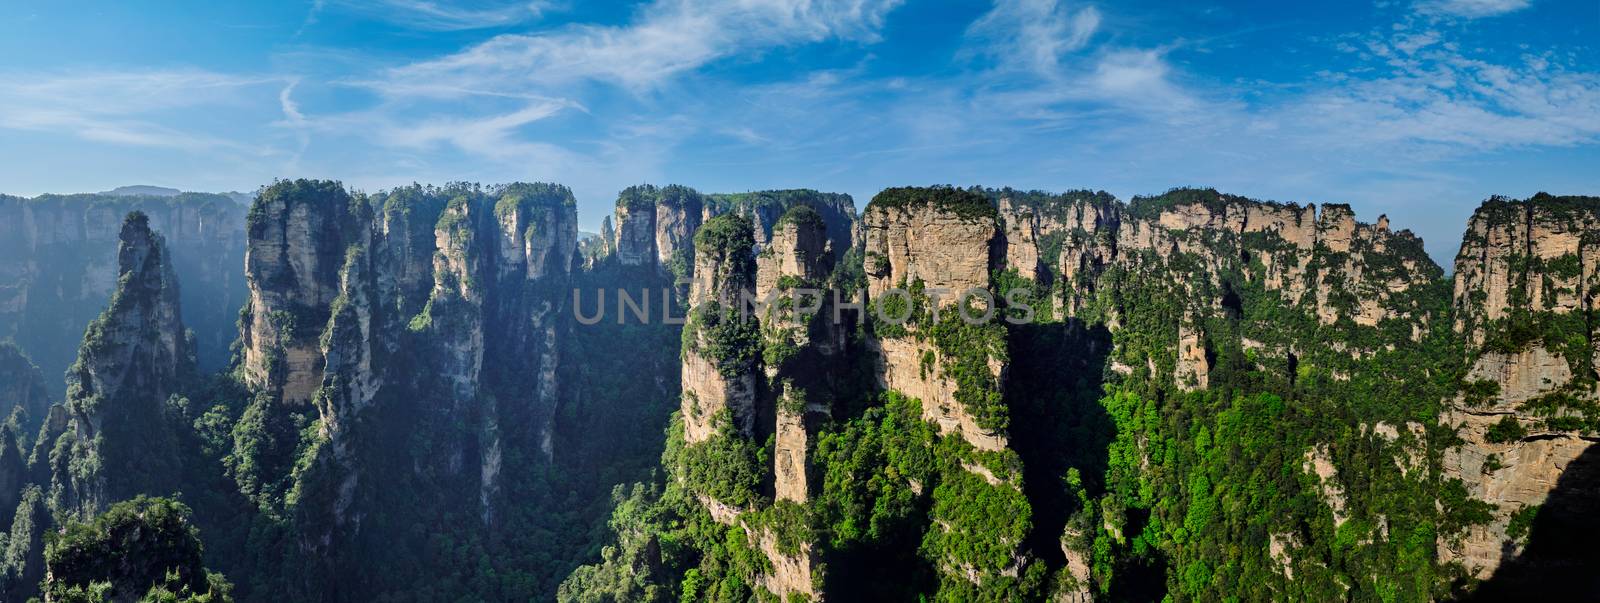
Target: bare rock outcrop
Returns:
[943, 240]
[636, 226]
[679, 211]
[791, 572]
[298, 232]
[1538, 255]
[133, 357]
[949, 251]
[1329, 263]
[1021, 238]
[765, 210]
[798, 249]
[720, 369]
[1194, 366]
[1525, 268]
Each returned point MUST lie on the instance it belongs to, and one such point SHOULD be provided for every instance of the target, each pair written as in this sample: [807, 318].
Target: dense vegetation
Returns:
[139, 549]
[1174, 425]
[966, 204]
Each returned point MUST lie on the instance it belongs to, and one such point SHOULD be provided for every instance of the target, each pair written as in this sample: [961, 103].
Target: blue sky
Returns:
[1414, 108]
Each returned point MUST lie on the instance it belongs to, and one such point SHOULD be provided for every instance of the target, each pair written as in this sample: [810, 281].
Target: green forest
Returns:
[1191, 396]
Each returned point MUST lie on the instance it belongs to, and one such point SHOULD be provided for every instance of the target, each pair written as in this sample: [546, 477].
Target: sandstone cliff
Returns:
[132, 358]
[22, 387]
[1525, 294]
[655, 226]
[930, 255]
[298, 231]
[764, 352]
[720, 339]
[765, 209]
[436, 309]
[938, 244]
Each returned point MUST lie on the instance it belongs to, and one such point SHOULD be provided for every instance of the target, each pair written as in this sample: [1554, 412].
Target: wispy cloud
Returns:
[1033, 35]
[1423, 91]
[428, 15]
[122, 107]
[492, 136]
[1470, 9]
[1045, 64]
[666, 39]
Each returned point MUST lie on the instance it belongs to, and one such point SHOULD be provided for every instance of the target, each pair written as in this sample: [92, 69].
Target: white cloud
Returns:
[491, 136]
[1131, 72]
[429, 15]
[667, 38]
[291, 109]
[121, 107]
[486, 100]
[1047, 68]
[1470, 9]
[1440, 100]
[1033, 35]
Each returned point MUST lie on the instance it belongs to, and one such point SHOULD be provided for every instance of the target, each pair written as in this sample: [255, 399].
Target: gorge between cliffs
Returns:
[320, 394]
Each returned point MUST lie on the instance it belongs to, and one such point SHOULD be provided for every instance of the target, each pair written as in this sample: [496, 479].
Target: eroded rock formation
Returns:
[133, 357]
[943, 248]
[1525, 293]
[351, 294]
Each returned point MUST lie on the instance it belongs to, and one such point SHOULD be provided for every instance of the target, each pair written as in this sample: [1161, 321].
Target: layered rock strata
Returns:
[1525, 295]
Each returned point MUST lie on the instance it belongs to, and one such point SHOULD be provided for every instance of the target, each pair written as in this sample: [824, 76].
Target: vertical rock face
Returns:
[764, 371]
[765, 209]
[1194, 367]
[298, 233]
[1077, 238]
[679, 210]
[13, 473]
[801, 343]
[929, 255]
[948, 248]
[1525, 291]
[436, 308]
[455, 308]
[656, 225]
[132, 358]
[58, 268]
[1021, 238]
[636, 230]
[22, 386]
[798, 249]
[719, 368]
[940, 240]
[1337, 267]
[790, 474]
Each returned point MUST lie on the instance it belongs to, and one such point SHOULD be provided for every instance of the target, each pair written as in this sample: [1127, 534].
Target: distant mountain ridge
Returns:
[142, 189]
[149, 190]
